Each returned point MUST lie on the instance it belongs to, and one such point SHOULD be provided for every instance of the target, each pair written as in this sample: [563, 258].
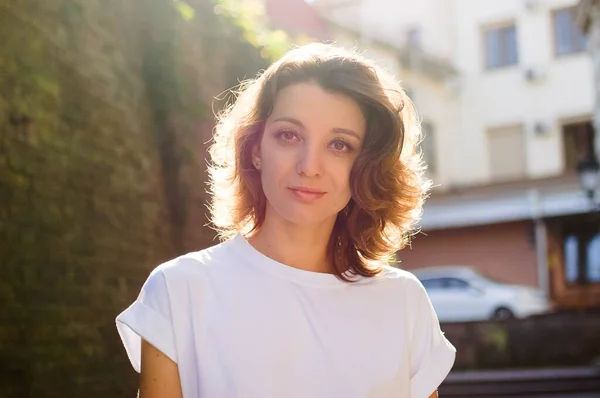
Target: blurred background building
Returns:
[506, 92]
[588, 18]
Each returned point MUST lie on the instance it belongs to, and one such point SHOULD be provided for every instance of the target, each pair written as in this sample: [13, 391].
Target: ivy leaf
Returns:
[186, 11]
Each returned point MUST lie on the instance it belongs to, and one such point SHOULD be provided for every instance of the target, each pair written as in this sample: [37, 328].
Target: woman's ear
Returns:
[256, 156]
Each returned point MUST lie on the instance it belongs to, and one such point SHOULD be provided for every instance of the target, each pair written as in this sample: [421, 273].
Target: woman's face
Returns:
[310, 142]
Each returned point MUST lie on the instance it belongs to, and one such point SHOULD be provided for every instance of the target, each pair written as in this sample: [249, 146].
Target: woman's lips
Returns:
[307, 195]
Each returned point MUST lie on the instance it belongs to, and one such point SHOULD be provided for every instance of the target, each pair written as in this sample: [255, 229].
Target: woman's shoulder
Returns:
[197, 262]
[399, 276]
[402, 287]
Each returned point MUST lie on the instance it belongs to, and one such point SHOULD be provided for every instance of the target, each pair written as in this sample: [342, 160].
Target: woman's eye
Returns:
[287, 135]
[340, 146]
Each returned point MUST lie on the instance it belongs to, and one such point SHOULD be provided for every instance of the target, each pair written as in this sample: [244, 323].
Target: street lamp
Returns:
[588, 169]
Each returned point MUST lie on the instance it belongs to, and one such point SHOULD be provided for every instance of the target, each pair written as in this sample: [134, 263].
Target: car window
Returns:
[445, 283]
[455, 283]
[433, 283]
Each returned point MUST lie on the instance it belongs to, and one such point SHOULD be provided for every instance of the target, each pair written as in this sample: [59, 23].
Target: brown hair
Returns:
[387, 182]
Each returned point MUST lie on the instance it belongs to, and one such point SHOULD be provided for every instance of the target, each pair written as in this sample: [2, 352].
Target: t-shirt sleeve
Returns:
[431, 354]
[148, 318]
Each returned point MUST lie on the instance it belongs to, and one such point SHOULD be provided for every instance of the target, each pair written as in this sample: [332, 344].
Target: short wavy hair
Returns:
[387, 180]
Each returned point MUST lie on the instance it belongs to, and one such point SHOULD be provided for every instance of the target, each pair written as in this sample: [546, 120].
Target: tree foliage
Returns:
[249, 17]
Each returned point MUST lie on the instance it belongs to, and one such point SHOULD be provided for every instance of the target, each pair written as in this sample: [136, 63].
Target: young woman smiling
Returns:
[316, 182]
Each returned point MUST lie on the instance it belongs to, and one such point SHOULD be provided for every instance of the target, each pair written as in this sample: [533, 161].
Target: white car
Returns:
[461, 294]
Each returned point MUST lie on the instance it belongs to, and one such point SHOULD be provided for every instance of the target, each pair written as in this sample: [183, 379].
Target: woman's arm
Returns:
[434, 395]
[159, 375]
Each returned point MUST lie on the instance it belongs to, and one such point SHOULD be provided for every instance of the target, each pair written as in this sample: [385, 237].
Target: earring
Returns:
[256, 163]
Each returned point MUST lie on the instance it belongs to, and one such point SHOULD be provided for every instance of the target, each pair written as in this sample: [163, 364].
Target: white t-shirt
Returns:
[240, 324]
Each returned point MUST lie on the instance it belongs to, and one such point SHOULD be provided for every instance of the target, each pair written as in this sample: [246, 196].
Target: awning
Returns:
[454, 211]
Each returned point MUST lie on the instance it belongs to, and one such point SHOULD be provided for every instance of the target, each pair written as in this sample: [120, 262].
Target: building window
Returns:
[571, 259]
[578, 141]
[428, 147]
[592, 263]
[506, 146]
[582, 257]
[501, 47]
[568, 37]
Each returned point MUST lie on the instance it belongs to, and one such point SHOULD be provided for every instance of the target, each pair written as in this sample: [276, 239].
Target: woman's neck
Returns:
[299, 246]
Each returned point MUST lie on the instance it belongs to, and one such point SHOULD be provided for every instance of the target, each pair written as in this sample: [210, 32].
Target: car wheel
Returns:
[503, 313]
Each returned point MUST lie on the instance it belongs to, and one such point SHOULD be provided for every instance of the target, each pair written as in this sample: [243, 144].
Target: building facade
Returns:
[509, 125]
[588, 15]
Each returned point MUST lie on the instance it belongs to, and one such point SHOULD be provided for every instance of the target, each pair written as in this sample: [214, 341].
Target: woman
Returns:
[316, 183]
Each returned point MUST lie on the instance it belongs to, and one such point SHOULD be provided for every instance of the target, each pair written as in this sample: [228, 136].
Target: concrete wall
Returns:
[391, 21]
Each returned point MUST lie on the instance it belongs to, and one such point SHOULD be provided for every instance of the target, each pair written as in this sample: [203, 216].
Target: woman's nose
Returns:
[309, 162]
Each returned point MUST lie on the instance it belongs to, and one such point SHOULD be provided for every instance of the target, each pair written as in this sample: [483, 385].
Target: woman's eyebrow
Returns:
[290, 120]
[298, 123]
[349, 132]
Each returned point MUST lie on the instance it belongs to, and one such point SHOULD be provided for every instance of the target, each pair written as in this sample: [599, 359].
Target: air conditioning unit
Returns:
[532, 5]
[541, 129]
[533, 75]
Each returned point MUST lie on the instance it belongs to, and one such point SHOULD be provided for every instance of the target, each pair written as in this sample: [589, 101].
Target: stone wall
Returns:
[105, 111]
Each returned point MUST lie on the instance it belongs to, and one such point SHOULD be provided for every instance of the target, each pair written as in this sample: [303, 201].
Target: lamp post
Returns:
[588, 169]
